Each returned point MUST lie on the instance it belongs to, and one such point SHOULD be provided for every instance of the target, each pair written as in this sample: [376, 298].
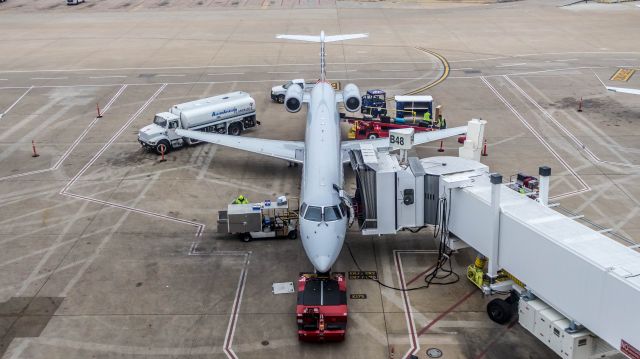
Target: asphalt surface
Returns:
[107, 252]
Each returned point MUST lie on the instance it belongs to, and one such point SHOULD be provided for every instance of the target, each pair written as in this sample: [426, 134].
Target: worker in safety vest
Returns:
[427, 118]
[441, 123]
[241, 200]
[522, 190]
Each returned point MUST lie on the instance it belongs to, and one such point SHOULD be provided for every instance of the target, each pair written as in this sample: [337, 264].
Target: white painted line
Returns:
[64, 190]
[580, 145]
[411, 326]
[462, 69]
[228, 73]
[283, 72]
[395, 70]
[233, 321]
[73, 145]
[214, 82]
[585, 186]
[49, 78]
[215, 66]
[341, 71]
[170, 75]
[510, 65]
[18, 100]
[4, 79]
[562, 60]
[107, 77]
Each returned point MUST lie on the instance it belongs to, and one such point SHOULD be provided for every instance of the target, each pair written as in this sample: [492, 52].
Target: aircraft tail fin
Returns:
[322, 39]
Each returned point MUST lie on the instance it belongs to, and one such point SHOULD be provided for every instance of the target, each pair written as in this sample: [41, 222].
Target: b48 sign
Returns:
[401, 139]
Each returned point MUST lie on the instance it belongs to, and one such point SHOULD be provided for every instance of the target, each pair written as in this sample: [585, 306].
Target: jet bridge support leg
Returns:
[496, 181]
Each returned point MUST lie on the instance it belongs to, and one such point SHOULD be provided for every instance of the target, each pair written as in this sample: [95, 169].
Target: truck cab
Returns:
[161, 132]
[278, 92]
[72, 2]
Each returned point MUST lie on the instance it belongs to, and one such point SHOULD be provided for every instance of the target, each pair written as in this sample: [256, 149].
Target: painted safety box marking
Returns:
[363, 275]
[623, 75]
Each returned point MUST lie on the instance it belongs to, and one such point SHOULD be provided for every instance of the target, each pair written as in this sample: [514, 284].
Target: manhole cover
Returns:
[434, 353]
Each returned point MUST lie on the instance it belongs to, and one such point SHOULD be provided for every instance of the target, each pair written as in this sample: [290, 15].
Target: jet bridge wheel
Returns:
[500, 311]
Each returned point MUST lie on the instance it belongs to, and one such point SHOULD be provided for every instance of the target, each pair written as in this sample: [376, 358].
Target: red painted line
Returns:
[502, 333]
[443, 314]
[422, 273]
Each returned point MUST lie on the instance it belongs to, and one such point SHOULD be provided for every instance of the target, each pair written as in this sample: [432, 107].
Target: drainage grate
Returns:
[434, 353]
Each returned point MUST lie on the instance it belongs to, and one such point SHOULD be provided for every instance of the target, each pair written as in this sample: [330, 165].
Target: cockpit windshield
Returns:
[286, 86]
[331, 213]
[313, 214]
[160, 121]
[319, 214]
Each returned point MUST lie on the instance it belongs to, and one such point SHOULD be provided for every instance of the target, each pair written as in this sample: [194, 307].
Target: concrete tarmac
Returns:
[108, 253]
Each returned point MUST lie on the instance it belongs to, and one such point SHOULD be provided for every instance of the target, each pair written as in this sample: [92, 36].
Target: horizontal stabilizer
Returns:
[307, 38]
[332, 38]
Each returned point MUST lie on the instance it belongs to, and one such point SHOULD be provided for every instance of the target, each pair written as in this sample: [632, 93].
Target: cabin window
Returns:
[332, 213]
[173, 124]
[313, 213]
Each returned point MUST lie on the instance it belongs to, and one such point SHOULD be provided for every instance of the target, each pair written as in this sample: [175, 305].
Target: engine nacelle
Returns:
[293, 98]
[352, 98]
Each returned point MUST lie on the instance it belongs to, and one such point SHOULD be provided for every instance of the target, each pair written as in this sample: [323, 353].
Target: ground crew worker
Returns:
[241, 200]
[442, 123]
[522, 190]
[427, 118]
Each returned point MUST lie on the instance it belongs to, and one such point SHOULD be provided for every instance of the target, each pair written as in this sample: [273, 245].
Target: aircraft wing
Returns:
[418, 138]
[624, 90]
[292, 151]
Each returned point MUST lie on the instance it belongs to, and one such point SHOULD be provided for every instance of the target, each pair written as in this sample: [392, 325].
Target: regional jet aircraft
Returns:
[324, 209]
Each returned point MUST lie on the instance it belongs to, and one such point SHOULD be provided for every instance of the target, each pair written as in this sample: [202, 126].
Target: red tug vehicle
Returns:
[322, 307]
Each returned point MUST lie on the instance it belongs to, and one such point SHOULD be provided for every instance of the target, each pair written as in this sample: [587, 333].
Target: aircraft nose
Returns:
[322, 263]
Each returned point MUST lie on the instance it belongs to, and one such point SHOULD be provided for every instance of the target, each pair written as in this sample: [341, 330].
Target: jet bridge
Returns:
[592, 281]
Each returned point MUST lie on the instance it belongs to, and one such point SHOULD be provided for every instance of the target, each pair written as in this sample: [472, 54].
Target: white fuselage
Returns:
[322, 238]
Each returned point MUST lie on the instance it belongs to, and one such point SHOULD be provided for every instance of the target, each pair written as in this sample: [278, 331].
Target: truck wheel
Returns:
[166, 145]
[499, 311]
[246, 237]
[235, 129]
[372, 136]
[280, 98]
[293, 234]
